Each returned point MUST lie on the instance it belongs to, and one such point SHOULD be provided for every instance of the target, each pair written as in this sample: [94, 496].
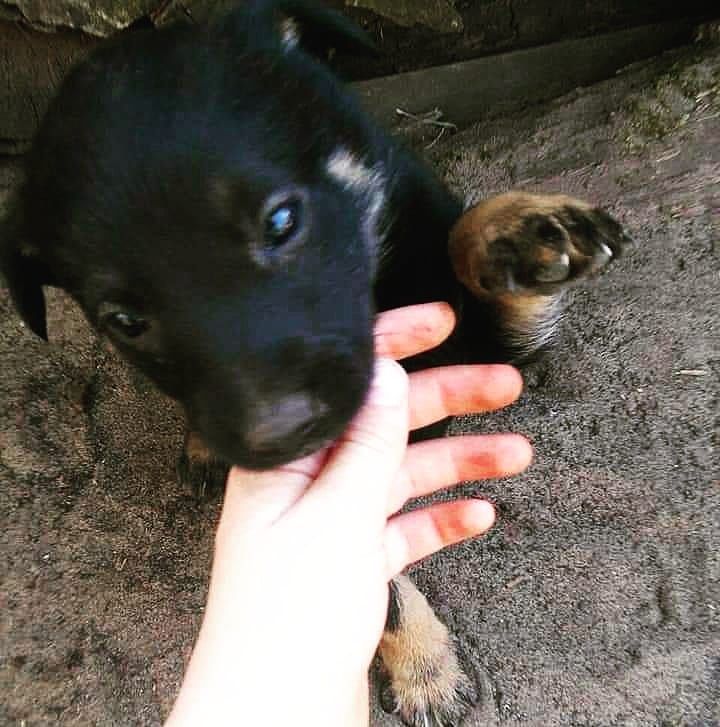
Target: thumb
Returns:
[367, 458]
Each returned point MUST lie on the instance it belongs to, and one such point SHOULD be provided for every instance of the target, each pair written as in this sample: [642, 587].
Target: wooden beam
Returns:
[472, 90]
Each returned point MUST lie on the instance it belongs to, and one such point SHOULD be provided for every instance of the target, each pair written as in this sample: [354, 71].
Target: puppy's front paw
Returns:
[437, 693]
[425, 684]
[534, 244]
[199, 470]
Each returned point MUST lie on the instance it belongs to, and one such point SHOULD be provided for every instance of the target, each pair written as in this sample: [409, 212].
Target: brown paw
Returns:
[521, 243]
[199, 470]
[425, 683]
[439, 694]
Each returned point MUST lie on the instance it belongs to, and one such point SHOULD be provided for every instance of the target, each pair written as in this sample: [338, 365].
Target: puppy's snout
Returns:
[272, 422]
[260, 414]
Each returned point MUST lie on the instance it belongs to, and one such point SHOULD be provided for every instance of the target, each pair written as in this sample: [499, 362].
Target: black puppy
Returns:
[222, 209]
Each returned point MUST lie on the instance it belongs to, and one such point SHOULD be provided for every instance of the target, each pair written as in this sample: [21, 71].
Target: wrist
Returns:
[274, 705]
[245, 684]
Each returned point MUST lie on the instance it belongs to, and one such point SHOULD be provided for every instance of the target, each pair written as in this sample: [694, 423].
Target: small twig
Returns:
[692, 372]
[517, 581]
[431, 118]
[667, 156]
[436, 139]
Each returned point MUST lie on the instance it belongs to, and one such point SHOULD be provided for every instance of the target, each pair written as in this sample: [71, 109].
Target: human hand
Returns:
[299, 587]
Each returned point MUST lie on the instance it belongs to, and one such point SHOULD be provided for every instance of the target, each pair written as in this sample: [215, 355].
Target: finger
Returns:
[440, 463]
[454, 390]
[367, 458]
[404, 332]
[415, 535]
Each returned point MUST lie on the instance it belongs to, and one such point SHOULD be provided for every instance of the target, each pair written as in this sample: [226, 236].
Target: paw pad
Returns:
[555, 271]
[523, 243]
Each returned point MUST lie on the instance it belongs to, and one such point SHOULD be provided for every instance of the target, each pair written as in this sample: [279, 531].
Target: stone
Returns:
[438, 15]
[96, 17]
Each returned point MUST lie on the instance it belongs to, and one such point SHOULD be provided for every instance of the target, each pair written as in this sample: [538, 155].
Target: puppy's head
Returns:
[202, 198]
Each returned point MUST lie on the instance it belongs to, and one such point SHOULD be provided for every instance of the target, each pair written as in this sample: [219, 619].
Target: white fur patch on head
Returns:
[369, 184]
[290, 33]
[350, 171]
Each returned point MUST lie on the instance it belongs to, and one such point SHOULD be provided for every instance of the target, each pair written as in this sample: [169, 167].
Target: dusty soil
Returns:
[595, 601]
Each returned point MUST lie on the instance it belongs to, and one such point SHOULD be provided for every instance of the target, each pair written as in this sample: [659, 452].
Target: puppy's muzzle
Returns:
[261, 416]
[293, 417]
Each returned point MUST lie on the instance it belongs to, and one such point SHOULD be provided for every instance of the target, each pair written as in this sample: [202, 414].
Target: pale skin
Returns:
[303, 554]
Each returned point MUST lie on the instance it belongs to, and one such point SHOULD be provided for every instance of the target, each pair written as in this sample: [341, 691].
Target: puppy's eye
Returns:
[282, 222]
[126, 324]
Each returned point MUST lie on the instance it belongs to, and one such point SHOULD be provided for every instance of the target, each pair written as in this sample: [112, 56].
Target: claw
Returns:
[606, 250]
[554, 272]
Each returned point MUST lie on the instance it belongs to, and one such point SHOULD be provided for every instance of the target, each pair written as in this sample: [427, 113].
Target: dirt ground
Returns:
[595, 602]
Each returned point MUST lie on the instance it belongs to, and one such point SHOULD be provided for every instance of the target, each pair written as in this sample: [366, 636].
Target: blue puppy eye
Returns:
[281, 223]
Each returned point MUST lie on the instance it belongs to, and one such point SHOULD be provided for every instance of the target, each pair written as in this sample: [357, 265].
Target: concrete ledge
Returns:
[468, 91]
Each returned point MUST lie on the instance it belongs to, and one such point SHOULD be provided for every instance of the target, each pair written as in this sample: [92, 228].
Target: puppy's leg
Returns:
[426, 685]
[199, 469]
[518, 252]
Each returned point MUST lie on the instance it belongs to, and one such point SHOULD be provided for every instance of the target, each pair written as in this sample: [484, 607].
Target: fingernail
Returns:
[389, 384]
[479, 516]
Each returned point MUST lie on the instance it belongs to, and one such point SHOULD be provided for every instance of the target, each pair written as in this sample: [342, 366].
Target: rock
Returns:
[439, 15]
[105, 17]
[97, 17]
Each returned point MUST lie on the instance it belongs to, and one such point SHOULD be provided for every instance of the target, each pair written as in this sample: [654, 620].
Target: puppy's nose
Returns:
[275, 421]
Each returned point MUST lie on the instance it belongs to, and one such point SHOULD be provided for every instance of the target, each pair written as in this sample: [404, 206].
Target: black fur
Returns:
[145, 191]
[394, 614]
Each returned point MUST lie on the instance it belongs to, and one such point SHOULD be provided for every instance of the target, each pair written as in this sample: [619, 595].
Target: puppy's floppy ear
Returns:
[311, 25]
[25, 276]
